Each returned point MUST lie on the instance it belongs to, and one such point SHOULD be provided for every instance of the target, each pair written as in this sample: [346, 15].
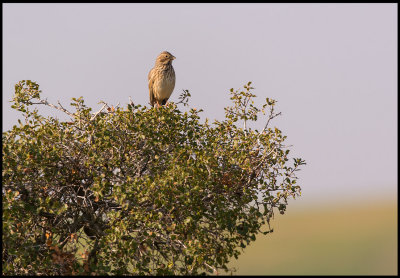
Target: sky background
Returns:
[331, 67]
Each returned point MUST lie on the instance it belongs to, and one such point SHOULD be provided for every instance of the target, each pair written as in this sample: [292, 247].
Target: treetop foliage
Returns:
[138, 190]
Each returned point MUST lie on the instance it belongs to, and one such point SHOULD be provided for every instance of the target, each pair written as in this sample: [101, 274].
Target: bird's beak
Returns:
[173, 57]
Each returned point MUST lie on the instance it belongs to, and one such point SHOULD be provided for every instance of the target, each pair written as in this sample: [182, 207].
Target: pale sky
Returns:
[331, 67]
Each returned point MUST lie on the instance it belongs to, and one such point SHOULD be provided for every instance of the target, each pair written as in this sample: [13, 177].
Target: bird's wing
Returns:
[151, 81]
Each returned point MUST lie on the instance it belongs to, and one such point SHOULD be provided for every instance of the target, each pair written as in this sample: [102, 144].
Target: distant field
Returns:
[353, 240]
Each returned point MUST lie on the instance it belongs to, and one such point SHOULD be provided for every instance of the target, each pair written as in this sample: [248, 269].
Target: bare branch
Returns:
[45, 102]
[98, 112]
[130, 100]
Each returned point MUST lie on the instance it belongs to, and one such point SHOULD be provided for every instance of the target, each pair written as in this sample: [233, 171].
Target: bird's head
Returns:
[165, 58]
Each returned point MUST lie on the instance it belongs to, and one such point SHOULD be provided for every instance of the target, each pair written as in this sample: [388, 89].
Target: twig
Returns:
[131, 102]
[95, 114]
[270, 117]
[215, 271]
[45, 102]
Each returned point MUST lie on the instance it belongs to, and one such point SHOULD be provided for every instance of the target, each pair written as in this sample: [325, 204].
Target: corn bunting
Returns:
[162, 79]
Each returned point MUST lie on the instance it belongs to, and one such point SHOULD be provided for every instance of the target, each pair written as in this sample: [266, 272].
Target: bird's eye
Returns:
[166, 56]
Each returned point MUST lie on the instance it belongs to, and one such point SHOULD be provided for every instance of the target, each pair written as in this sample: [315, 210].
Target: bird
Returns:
[161, 79]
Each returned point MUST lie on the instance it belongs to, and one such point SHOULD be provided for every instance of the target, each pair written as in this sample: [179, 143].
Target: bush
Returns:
[140, 191]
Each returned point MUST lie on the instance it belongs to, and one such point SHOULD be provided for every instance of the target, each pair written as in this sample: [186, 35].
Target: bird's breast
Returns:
[164, 84]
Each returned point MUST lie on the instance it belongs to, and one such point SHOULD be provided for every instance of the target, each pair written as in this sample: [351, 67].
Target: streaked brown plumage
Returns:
[161, 79]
